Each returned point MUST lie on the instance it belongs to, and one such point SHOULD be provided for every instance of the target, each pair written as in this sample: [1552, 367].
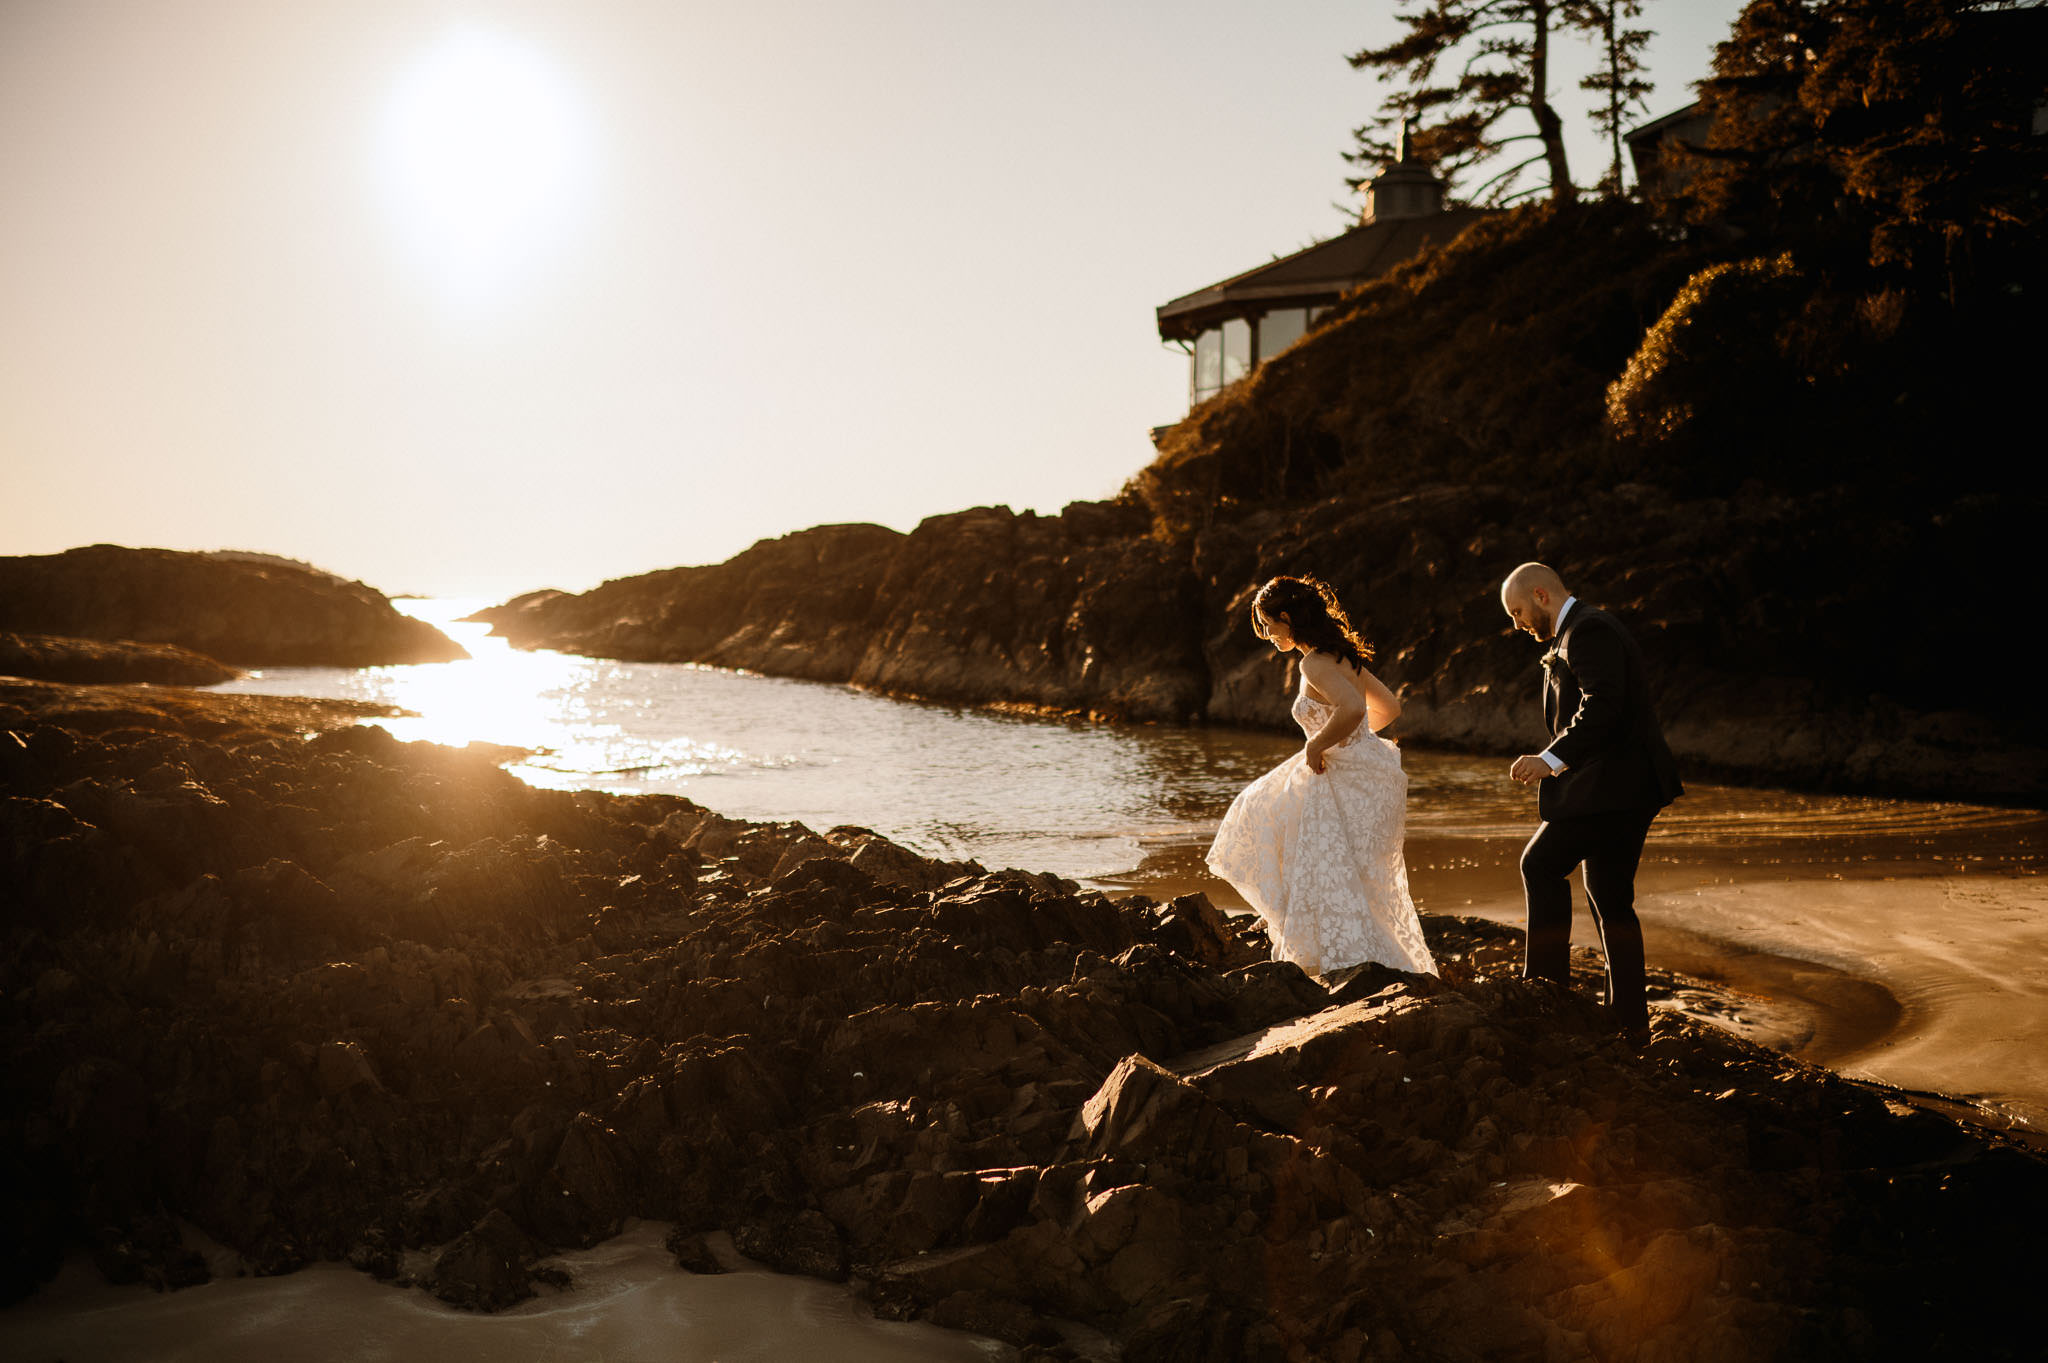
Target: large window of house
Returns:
[1224, 355]
[1237, 350]
[1280, 329]
[1208, 370]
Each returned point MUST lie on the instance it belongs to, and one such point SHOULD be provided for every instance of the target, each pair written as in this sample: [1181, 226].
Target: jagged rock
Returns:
[1272, 991]
[488, 1267]
[1141, 1109]
[56, 658]
[692, 1254]
[992, 1316]
[887, 863]
[375, 1255]
[149, 1252]
[806, 1242]
[1192, 927]
[583, 1196]
[343, 1066]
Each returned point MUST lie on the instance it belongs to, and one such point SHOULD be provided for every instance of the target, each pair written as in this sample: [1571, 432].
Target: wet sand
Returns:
[1965, 956]
[627, 1295]
[1910, 951]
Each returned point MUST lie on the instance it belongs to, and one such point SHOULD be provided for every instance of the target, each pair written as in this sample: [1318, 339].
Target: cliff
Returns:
[242, 611]
[1787, 647]
[1083, 611]
[350, 998]
[1790, 481]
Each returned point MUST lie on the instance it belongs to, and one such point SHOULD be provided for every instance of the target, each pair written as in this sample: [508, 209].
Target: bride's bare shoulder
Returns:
[1329, 676]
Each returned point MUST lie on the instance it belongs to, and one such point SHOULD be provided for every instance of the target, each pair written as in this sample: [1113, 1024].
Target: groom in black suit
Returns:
[1601, 781]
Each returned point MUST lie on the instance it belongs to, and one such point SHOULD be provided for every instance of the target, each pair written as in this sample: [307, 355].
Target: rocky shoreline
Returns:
[345, 997]
[1764, 679]
[52, 657]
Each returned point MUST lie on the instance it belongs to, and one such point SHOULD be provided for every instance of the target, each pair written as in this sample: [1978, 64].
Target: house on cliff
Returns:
[1656, 149]
[1230, 328]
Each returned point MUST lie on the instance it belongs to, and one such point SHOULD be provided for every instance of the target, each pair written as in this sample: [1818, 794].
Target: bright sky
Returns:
[474, 298]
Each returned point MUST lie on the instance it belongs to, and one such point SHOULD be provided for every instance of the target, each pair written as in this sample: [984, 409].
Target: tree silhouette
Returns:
[1468, 64]
[1893, 135]
[1619, 80]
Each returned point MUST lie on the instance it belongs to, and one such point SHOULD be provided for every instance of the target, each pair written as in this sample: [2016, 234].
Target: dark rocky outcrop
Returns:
[250, 612]
[1784, 653]
[1814, 556]
[1080, 611]
[49, 657]
[1788, 646]
[99, 709]
[345, 997]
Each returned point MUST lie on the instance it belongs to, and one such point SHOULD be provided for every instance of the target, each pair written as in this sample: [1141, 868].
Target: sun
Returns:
[483, 154]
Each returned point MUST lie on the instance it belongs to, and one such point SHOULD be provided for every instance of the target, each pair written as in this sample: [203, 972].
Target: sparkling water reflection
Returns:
[1009, 790]
[1080, 799]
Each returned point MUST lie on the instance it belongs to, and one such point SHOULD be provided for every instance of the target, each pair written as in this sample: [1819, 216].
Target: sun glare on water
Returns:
[483, 154]
[547, 703]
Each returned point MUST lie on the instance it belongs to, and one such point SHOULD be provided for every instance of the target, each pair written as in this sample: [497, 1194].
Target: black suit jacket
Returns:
[1596, 700]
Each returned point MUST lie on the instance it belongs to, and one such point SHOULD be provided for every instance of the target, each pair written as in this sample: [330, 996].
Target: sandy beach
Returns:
[1966, 957]
[627, 1294]
[1914, 956]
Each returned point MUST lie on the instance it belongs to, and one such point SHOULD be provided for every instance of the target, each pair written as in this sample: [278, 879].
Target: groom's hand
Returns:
[1528, 769]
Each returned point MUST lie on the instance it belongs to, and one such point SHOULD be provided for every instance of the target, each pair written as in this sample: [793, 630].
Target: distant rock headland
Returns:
[246, 611]
[1076, 612]
[351, 998]
[1764, 676]
[51, 657]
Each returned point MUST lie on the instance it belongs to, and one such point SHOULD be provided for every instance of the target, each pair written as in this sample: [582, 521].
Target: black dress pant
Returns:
[1609, 846]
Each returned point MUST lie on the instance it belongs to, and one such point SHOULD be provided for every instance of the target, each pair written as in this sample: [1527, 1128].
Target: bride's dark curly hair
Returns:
[1313, 616]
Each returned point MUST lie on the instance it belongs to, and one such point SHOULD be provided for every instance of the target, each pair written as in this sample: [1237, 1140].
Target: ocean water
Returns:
[1084, 800]
[1070, 797]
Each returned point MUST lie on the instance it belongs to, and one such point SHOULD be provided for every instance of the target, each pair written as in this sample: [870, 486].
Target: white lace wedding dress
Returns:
[1318, 857]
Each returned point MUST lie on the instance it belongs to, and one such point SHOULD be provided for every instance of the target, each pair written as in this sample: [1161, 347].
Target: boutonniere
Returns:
[1550, 661]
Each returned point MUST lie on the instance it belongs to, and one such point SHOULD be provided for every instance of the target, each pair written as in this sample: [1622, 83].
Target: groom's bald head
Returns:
[1531, 596]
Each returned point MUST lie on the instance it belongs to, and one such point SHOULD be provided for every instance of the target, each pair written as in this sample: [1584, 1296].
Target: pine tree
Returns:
[1497, 59]
[1619, 80]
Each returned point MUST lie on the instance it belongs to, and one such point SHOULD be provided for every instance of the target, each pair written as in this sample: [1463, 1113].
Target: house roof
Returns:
[1314, 275]
[1656, 127]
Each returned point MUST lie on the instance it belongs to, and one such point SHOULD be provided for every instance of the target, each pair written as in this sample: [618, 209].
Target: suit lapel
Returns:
[1554, 708]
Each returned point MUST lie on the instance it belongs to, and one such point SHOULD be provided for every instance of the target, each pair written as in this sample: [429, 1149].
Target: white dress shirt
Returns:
[1555, 762]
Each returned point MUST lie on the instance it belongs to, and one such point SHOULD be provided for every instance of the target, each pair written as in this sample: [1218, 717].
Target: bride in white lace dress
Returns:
[1314, 845]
